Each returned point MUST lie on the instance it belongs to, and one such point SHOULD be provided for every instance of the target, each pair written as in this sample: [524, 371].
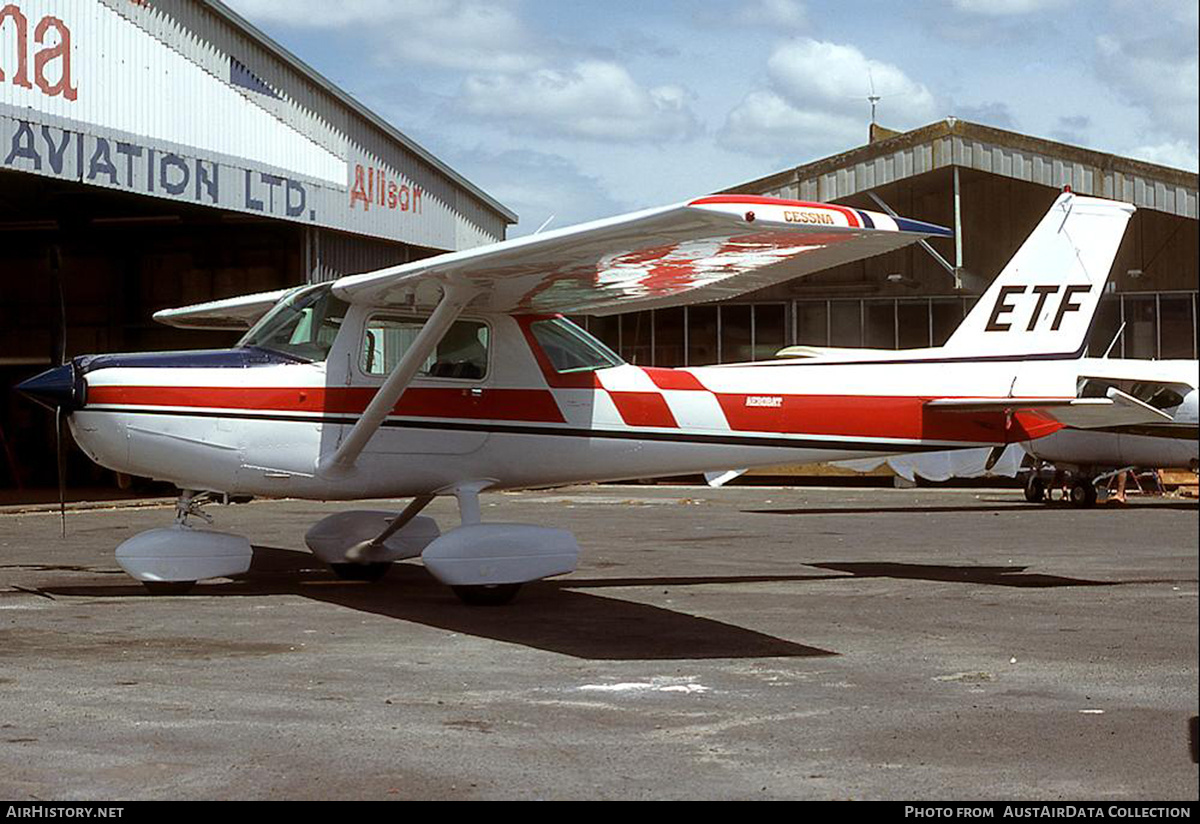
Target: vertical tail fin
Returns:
[1044, 300]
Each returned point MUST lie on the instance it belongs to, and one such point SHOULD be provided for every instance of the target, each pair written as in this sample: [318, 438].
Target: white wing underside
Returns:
[707, 249]
[232, 313]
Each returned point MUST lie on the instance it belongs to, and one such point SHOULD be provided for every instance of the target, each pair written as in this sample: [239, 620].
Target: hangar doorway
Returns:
[105, 261]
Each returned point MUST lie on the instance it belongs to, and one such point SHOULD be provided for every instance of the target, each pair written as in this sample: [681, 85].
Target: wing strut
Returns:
[455, 297]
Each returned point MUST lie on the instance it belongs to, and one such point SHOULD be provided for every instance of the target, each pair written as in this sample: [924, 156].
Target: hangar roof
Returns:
[954, 142]
[358, 108]
[184, 100]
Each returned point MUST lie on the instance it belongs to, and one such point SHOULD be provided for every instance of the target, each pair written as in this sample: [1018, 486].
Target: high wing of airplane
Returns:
[458, 374]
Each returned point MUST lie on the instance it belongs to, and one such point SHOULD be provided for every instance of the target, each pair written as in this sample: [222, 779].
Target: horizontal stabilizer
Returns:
[1118, 409]
[238, 313]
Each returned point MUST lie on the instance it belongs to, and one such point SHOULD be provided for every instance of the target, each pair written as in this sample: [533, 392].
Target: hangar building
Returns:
[166, 153]
[993, 186]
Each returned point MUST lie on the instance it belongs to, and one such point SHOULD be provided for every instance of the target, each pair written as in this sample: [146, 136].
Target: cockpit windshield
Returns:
[302, 325]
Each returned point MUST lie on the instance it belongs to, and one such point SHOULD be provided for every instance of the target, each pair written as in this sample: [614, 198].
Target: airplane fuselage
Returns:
[249, 422]
[1166, 445]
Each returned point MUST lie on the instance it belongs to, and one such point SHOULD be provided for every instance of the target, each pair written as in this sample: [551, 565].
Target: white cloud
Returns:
[456, 34]
[775, 14]
[764, 123]
[594, 100]
[1161, 81]
[992, 113]
[782, 17]
[838, 77]
[1008, 8]
[1179, 154]
[818, 100]
[320, 14]
[540, 185]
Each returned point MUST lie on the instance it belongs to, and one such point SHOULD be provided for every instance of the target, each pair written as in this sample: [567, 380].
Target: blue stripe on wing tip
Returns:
[906, 225]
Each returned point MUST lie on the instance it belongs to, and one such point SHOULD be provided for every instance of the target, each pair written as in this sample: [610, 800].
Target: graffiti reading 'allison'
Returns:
[372, 187]
[44, 59]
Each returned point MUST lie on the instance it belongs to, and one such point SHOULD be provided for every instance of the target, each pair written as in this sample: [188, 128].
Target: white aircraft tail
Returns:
[1044, 300]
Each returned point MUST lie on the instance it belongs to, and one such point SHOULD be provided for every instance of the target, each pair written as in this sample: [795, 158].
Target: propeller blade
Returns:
[58, 341]
[58, 357]
[62, 482]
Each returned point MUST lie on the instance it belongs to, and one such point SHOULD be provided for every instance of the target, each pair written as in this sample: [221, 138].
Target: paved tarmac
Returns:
[739, 643]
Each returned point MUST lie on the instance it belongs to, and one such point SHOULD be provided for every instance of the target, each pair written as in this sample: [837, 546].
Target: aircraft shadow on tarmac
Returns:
[983, 505]
[557, 617]
[548, 615]
[1002, 576]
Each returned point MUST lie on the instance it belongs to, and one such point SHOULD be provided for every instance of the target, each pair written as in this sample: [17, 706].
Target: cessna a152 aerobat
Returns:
[459, 374]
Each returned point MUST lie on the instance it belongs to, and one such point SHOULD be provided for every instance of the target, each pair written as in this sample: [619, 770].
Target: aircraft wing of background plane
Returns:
[705, 249]
[232, 313]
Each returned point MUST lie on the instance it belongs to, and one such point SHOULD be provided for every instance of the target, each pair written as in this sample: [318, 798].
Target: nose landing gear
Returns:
[169, 560]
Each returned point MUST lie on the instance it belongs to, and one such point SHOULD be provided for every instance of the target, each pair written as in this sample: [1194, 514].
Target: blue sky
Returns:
[584, 110]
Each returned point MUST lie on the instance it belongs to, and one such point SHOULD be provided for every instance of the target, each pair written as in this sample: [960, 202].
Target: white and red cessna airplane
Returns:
[458, 374]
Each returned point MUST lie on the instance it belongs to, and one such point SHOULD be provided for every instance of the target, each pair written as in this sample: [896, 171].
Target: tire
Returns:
[168, 587]
[1035, 490]
[1083, 494]
[495, 595]
[361, 572]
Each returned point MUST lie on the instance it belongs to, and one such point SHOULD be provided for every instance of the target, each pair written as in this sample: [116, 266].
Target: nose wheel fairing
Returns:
[180, 554]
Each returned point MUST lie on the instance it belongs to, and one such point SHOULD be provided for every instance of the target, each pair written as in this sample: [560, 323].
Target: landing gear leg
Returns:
[169, 561]
[486, 563]
[357, 563]
[186, 505]
[1083, 493]
[1035, 489]
[484, 595]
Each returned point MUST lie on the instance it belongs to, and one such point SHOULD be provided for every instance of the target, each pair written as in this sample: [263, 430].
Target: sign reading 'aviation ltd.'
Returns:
[159, 122]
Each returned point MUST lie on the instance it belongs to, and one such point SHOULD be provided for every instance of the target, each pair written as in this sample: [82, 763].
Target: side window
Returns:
[571, 349]
[462, 352]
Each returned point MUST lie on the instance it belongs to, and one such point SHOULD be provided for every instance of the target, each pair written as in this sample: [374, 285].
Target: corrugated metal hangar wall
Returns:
[155, 155]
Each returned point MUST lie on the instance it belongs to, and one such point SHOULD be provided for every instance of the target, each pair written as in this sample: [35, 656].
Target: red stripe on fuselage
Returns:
[875, 417]
[643, 409]
[673, 379]
[850, 416]
[529, 405]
